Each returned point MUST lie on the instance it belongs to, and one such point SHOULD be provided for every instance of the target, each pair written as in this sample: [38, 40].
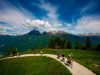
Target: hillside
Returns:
[35, 39]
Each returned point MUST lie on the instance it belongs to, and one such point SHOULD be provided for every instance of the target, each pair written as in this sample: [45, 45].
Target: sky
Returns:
[18, 17]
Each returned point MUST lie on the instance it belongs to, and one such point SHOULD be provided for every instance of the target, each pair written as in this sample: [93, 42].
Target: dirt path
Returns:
[76, 70]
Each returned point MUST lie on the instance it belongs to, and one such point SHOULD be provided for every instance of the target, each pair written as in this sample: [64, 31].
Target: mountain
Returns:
[35, 39]
[90, 34]
[35, 32]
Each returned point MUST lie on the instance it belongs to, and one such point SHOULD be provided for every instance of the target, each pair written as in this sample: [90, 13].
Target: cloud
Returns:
[43, 25]
[39, 24]
[20, 21]
[14, 17]
[51, 15]
[88, 24]
[17, 20]
[90, 7]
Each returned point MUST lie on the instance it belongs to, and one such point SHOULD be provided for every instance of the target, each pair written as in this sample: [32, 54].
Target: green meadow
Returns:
[46, 66]
[90, 59]
[32, 66]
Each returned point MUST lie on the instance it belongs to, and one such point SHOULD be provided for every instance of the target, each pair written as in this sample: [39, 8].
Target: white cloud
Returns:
[52, 15]
[43, 25]
[88, 24]
[88, 8]
[20, 21]
[39, 24]
[14, 18]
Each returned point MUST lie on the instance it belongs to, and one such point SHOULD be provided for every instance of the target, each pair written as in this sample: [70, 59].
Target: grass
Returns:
[32, 66]
[90, 59]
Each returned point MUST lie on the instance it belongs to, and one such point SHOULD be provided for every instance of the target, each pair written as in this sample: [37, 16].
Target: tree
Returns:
[13, 51]
[69, 45]
[78, 45]
[88, 43]
[51, 43]
[63, 43]
[83, 47]
[98, 47]
[57, 43]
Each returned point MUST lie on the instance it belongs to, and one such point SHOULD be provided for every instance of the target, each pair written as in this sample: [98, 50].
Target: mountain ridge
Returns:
[35, 39]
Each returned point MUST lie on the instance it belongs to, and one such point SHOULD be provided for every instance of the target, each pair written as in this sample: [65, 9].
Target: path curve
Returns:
[76, 70]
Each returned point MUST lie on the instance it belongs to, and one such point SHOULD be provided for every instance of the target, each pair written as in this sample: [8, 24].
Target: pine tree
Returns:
[78, 45]
[57, 42]
[98, 47]
[88, 43]
[69, 45]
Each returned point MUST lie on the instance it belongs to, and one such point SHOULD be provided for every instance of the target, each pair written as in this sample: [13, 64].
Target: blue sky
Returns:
[18, 17]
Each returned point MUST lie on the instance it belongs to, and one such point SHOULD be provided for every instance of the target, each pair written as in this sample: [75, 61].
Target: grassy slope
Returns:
[32, 66]
[90, 59]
